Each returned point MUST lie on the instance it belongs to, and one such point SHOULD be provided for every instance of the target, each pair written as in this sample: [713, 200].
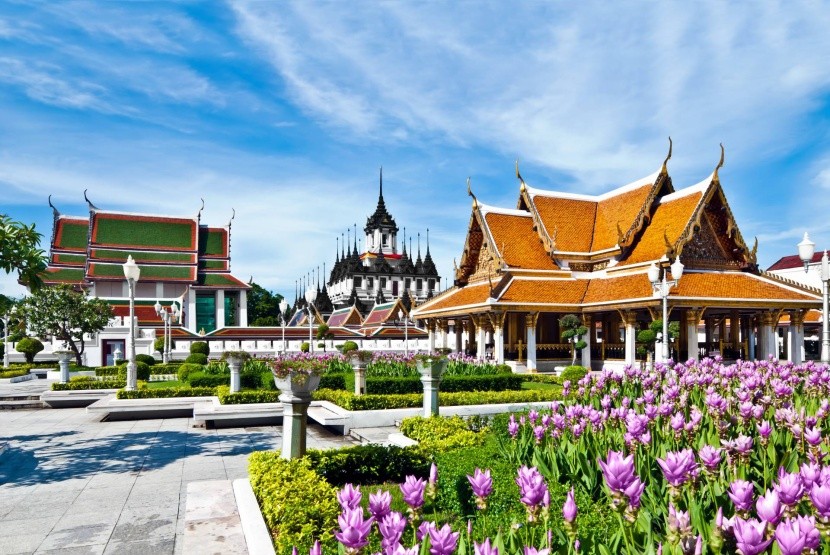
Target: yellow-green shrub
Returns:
[438, 433]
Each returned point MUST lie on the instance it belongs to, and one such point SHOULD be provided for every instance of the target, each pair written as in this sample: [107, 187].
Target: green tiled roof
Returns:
[213, 265]
[120, 230]
[147, 272]
[212, 242]
[219, 280]
[63, 275]
[69, 259]
[72, 234]
[143, 256]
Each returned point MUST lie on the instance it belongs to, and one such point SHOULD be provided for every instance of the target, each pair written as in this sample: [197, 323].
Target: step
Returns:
[212, 523]
[19, 397]
[21, 404]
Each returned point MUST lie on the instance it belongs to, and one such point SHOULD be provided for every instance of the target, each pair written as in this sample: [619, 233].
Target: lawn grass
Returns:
[167, 385]
[540, 385]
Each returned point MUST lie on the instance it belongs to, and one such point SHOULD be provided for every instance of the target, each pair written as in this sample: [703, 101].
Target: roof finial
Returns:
[89, 202]
[519, 177]
[404, 239]
[355, 239]
[54, 210]
[668, 157]
[427, 241]
[381, 183]
[719, 166]
[470, 192]
[233, 215]
[419, 244]
[199, 213]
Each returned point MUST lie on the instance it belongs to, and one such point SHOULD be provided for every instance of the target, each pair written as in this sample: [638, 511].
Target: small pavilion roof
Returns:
[347, 316]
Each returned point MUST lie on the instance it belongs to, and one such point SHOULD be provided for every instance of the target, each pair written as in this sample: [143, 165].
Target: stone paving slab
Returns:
[72, 484]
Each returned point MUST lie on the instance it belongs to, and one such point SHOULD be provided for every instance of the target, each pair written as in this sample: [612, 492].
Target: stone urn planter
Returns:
[296, 380]
[64, 357]
[235, 360]
[432, 370]
[359, 360]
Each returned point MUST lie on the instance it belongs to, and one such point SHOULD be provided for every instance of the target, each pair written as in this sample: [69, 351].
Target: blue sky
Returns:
[285, 111]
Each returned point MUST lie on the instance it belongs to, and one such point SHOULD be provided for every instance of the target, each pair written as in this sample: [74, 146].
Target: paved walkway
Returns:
[70, 484]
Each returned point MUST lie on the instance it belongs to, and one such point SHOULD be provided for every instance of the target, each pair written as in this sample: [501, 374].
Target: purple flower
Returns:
[634, 492]
[354, 530]
[315, 549]
[820, 496]
[769, 507]
[764, 429]
[482, 485]
[789, 487]
[677, 465]
[533, 490]
[789, 537]
[680, 522]
[443, 541]
[401, 550]
[807, 525]
[530, 550]
[618, 471]
[294, 551]
[569, 509]
[710, 457]
[512, 426]
[423, 529]
[749, 536]
[380, 504]
[391, 528]
[812, 436]
[810, 473]
[741, 493]
[485, 548]
[433, 474]
[742, 444]
[413, 491]
[349, 497]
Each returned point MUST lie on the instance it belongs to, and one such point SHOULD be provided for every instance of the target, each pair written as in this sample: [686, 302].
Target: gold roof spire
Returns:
[470, 192]
[668, 157]
[519, 177]
[719, 166]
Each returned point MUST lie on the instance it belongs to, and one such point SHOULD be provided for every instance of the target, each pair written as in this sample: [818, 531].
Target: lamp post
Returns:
[132, 272]
[806, 249]
[662, 289]
[283, 311]
[310, 297]
[405, 319]
[6, 341]
[167, 318]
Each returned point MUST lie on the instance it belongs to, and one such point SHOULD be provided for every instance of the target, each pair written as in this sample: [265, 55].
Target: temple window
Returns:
[358, 281]
[383, 283]
[419, 284]
[369, 282]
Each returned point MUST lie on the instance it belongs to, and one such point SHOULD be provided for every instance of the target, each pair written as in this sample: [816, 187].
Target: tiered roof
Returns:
[166, 248]
[569, 252]
[348, 316]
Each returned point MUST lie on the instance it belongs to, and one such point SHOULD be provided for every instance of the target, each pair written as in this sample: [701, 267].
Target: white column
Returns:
[431, 334]
[692, 319]
[458, 331]
[531, 320]
[243, 309]
[444, 327]
[190, 316]
[586, 352]
[795, 337]
[630, 320]
[767, 342]
[481, 337]
[751, 340]
[220, 309]
[497, 318]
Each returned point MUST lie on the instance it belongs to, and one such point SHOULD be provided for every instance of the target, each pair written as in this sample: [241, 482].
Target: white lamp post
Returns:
[310, 297]
[6, 341]
[806, 249]
[132, 272]
[405, 319]
[283, 311]
[175, 314]
[661, 289]
[167, 318]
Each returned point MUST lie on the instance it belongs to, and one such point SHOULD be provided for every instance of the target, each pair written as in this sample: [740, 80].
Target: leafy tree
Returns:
[65, 314]
[572, 332]
[30, 347]
[19, 251]
[649, 336]
[263, 306]
[158, 345]
[324, 333]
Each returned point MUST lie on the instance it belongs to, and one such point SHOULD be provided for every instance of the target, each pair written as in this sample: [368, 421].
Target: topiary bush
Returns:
[142, 371]
[147, 359]
[95, 384]
[186, 369]
[573, 373]
[368, 464]
[200, 348]
[158, 345]
[197, 358]
[439, 434]
[348, 346]
[30, 347]
[201, 379]
[304, 347]
[298, 507]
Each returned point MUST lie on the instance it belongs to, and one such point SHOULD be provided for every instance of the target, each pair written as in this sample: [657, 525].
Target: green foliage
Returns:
[78, 379]
[147, 359]
[19, 251]
[298, 507]
[12, 373]
[158, 345]
[246, 397]
[573, 373]
[349, 401]
[438, 434]
[166, 393]
[348, 346]
[263, 306]
[200, 347]
[202, 379]
[449, 384]
[142, 371]
[196, 358]
[83, 384]
[655, 328]
[332, 381]
[304, 347]
[65, 314]
[188, 368]
[573, 331]
[368, 464]
[30, 347]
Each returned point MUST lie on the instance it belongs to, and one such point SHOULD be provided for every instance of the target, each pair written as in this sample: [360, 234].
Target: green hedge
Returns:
[146, 359]
[541, 378]
[196, 358]
[247, 397]
[47, 364]
[165, 393]
[75, 386]
[200, 379]
[200, 347]
[298, 507]
[439, 434]
[349, 401]
[186, 369]
[450, 384]
[368, 464]
[332, 381]
[13, 373]
[573, 374]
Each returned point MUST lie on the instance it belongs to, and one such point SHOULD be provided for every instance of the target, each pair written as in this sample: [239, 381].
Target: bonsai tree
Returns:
[649, 336]
[324, 333]
[572, 332]
[29, 346]
[158, 345]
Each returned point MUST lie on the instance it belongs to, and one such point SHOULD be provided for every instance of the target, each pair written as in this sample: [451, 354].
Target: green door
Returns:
[205, 312]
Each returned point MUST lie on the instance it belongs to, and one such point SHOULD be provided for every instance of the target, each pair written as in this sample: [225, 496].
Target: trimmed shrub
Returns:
[297, 505]
[304, 347]
[573, 374]
[266, 381]
[196, 358]
[169, 368]
[349, 401]
[246, 397]
[12, 373]
[30, 347]
[186, 369]
[200, 348]
[541, 378]
[142, 371]
[44, 364]
[348, 346]
[166, 393]
[496, 382]
[201, 379]
[147, 359]
[95, 384]
[330, 381]
[78, 379]
[368, 464]
[158, 345]
[106, 371]
[439, 434]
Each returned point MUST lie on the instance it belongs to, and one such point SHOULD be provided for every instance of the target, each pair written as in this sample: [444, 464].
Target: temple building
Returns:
[181, 259]
[383, 271]
[522, 269]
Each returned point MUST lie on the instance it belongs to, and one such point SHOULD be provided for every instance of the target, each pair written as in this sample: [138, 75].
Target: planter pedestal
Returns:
[63, 364]
[359, 378]
[234, 364]
[431, 374]
[295, 396]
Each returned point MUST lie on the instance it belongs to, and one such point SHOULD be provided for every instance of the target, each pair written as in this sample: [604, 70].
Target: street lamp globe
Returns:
[653, 273]
[283, 308]
[157, 306]
[311, 295]
[131, 269]
[806, 249]
[677, 269]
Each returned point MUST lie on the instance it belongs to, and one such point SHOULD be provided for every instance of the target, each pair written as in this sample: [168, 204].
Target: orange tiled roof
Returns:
[518, 244]
[571, 221]
[634, 286]
[735, 285]
[548, 291]
[670, 217]
[469, 295]
[622, 209]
